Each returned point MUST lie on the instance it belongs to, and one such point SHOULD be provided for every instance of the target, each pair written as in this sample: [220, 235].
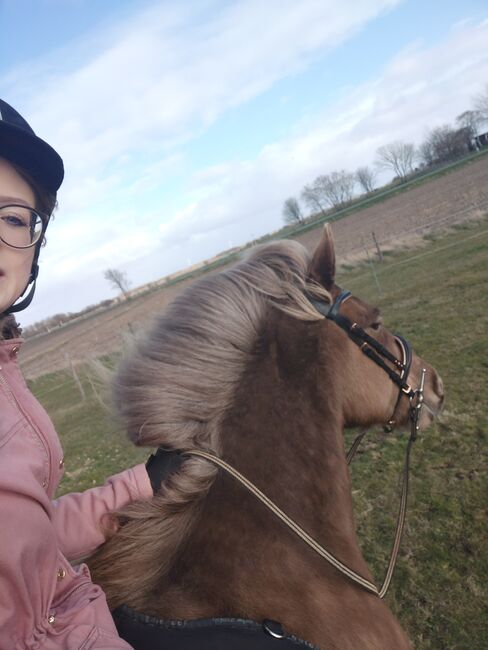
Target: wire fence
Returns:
[79, 378]
[411, 258]
[475, 210]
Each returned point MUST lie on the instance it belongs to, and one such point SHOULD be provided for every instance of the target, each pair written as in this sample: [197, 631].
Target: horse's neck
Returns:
[285, 433]
[295, 456]
[241, 560]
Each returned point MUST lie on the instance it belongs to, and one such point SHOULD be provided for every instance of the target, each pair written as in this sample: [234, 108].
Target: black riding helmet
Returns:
[21, 146]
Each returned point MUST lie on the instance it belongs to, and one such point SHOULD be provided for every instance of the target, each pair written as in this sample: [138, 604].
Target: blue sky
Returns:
[185, 125]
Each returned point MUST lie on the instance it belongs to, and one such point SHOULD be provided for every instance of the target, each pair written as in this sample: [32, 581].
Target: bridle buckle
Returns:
[416, 404]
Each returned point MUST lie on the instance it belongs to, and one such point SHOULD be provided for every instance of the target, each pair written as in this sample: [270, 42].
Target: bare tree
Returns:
[330, 190]
[470, 121]
[397, 156]
[292, 213]
[365, 176]
[118, 280]
[313, 197]
[338, 187]
[444, 143]
[426, 153]
[481, 104]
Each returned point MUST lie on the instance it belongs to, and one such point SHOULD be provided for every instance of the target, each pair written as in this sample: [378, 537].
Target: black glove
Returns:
[161, 464]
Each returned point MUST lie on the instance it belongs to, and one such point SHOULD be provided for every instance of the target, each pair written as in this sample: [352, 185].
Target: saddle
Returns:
[144, 632]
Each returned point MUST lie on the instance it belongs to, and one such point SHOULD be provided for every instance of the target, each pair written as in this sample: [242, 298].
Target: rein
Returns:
[292, 525]
[399, 375]
[308, 539]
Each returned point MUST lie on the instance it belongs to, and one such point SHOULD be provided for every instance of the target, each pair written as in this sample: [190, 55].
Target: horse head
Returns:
[369, 395]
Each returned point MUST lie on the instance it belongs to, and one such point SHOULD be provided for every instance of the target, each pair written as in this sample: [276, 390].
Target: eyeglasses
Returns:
[20, 226]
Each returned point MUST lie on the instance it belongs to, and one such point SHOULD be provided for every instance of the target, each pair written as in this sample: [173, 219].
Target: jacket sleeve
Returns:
[79, 516]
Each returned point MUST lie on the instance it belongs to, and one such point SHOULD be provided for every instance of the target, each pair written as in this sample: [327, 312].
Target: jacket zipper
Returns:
[15, 403]
[8, 390]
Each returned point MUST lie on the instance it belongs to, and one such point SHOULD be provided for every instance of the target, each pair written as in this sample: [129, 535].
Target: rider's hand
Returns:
[161, 464]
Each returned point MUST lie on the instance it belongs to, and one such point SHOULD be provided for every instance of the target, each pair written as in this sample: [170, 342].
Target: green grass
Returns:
[435, 296]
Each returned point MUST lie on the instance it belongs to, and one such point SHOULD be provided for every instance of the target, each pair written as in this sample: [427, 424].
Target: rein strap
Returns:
[288, 521]
[308, 539]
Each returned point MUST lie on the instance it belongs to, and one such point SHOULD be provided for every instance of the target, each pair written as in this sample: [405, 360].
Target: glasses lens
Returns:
[20, 227]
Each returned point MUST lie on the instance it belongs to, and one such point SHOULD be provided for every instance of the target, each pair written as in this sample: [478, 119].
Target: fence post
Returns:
[377, 282]
[75, 376]
[378, 249]
[97, 395]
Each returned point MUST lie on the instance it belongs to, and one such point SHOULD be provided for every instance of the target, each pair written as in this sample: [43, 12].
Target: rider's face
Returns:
[15, 264]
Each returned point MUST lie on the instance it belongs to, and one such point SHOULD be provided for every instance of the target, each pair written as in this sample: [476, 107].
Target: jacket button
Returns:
[14, 351]
[61, 574]
[51, 619]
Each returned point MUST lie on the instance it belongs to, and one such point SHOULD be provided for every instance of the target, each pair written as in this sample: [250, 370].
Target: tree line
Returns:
[443, 144]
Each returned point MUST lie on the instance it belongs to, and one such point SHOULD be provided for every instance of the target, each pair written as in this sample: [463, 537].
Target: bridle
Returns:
[377, 352]
[374, 350]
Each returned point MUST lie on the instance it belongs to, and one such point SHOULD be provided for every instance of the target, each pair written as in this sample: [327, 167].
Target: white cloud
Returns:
[421, 87]
[170, 71]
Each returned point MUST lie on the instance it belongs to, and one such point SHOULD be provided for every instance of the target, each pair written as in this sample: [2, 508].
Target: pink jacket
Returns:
[45, 603]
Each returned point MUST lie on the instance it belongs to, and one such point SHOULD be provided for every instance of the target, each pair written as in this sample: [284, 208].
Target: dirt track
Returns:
[399, 220]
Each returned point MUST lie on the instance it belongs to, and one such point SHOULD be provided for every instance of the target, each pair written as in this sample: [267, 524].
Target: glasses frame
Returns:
[44, 220]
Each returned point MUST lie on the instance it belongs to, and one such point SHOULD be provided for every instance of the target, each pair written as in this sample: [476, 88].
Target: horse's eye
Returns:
[377, 324]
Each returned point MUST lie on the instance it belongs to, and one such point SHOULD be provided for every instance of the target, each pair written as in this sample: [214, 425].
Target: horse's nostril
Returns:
[438, 386]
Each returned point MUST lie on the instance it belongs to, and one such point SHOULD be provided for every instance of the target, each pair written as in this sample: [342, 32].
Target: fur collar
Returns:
[9, 328]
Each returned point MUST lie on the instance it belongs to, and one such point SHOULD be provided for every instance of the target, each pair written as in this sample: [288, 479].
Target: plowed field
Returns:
[398, 221]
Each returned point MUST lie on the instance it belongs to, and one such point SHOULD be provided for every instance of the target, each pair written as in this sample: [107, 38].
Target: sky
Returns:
[184, 125]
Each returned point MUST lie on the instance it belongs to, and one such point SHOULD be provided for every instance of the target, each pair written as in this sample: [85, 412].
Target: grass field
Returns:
[435, 296]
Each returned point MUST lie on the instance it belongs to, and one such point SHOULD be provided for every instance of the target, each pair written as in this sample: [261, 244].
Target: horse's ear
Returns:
[322, 268]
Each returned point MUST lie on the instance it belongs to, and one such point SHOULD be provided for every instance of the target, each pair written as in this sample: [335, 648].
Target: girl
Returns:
[44, 601]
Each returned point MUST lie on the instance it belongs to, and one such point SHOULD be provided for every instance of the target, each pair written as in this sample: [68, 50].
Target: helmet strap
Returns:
[19, 306]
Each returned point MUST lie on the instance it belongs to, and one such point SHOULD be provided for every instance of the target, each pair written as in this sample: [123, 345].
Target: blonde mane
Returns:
[175, 386]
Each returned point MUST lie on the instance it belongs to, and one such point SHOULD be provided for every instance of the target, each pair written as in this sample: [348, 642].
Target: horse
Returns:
[250, 366]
